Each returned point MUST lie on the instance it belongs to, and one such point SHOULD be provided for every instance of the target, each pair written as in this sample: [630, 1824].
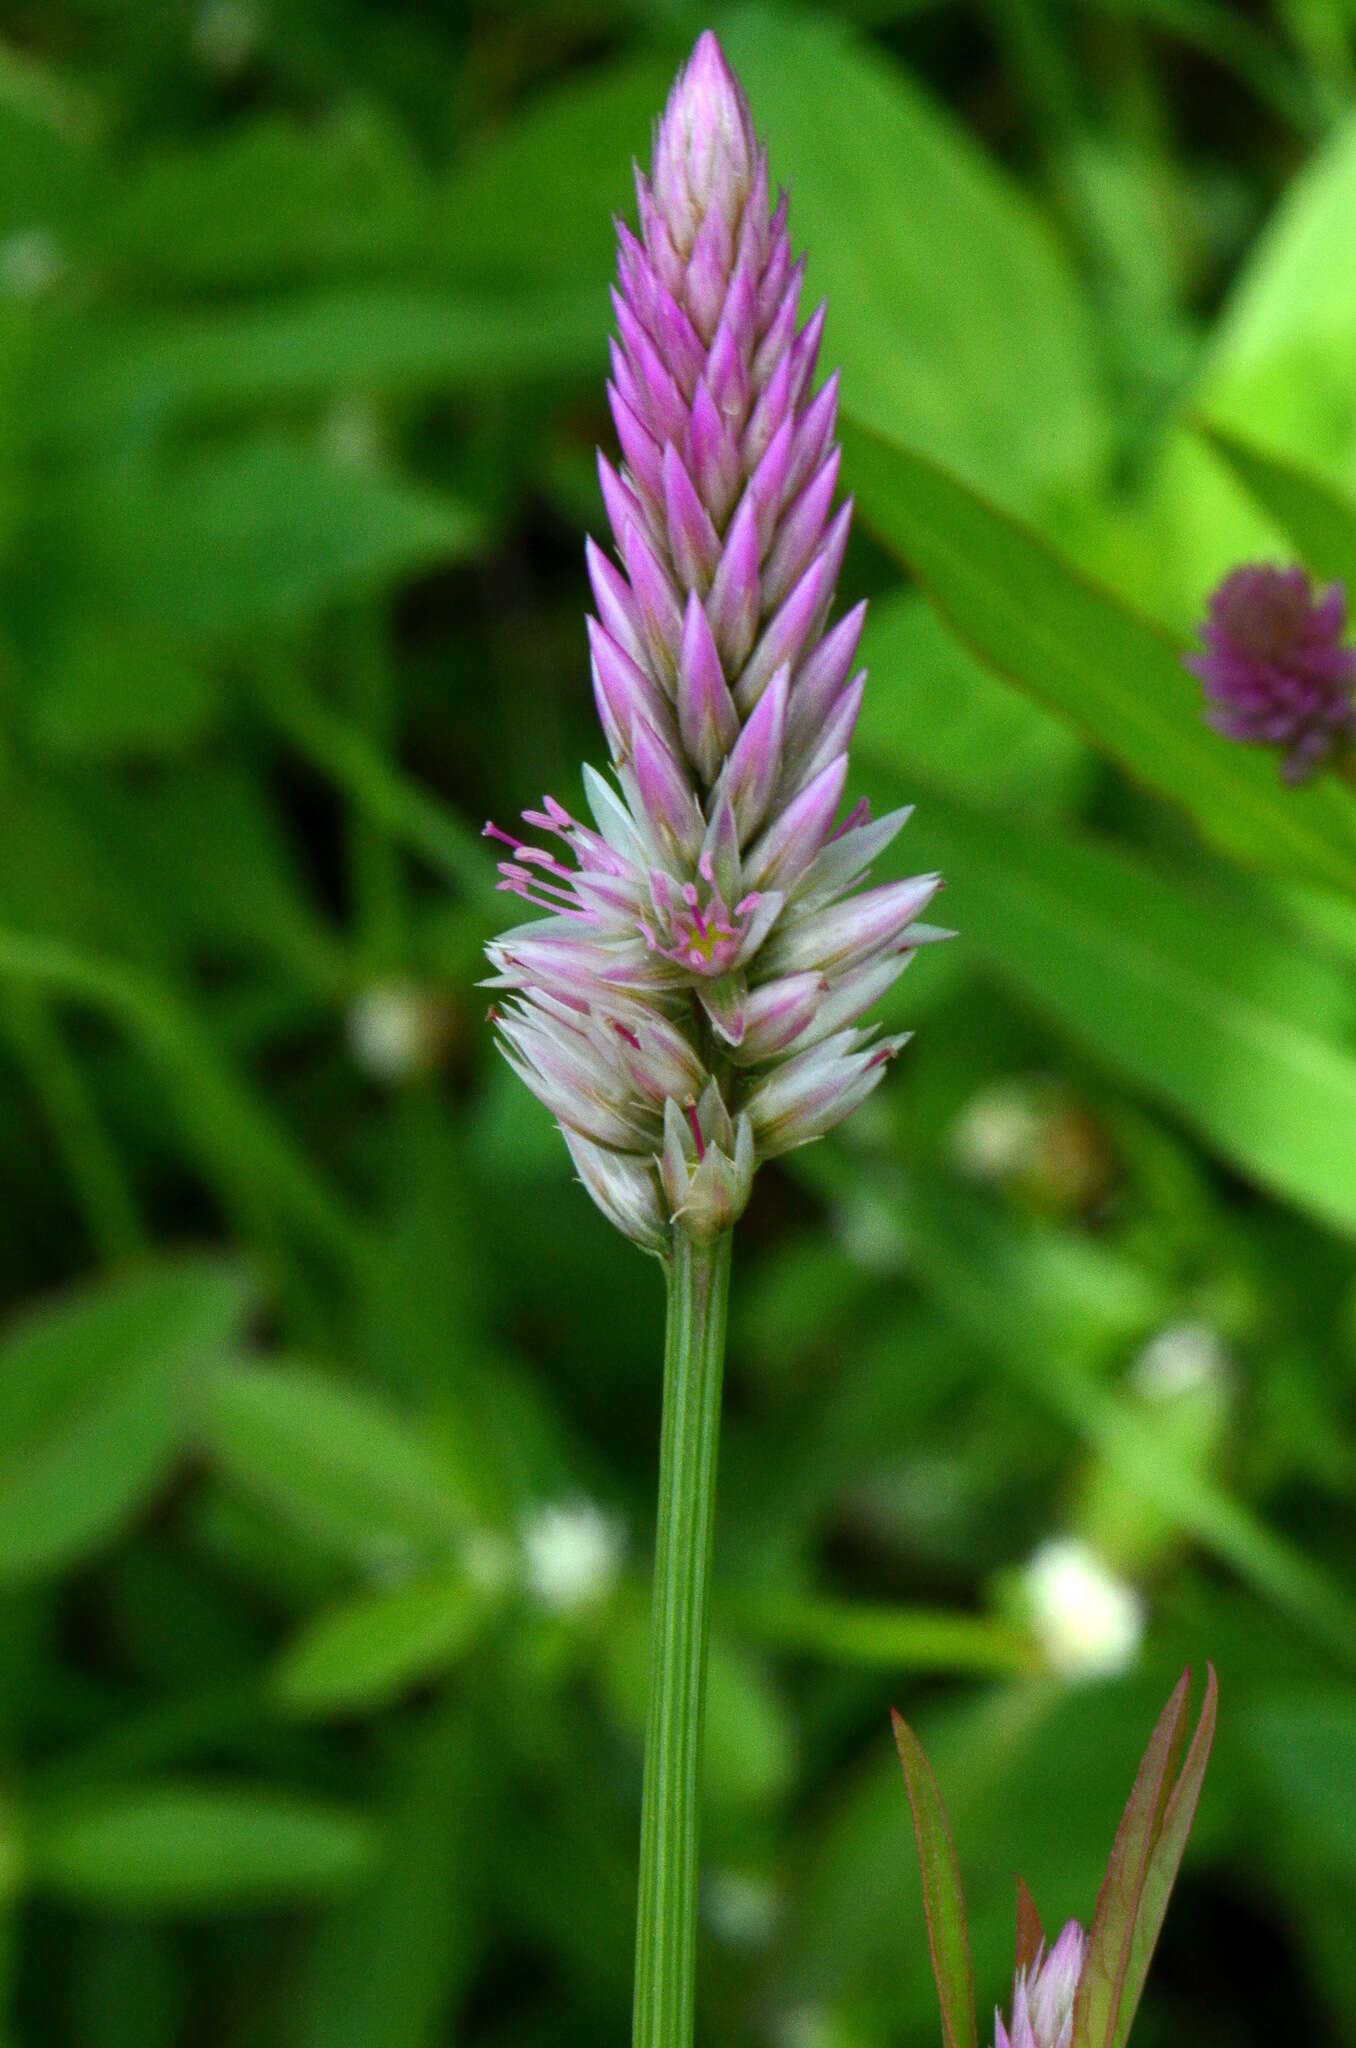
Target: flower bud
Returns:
[706, 1166]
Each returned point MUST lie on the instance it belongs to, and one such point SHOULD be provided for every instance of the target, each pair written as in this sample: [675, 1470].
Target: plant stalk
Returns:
[666, 1918]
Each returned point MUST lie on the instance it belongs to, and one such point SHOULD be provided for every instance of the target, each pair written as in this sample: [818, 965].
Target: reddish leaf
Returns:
[1167, 1858]
[1030, 1933]
[1101, 1989]
[948, 1938]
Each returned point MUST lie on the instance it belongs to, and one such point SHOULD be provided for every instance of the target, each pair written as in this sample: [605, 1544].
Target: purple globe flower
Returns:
[1275, 667]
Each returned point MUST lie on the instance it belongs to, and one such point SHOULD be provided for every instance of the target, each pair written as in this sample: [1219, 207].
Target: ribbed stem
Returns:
[666, 1919]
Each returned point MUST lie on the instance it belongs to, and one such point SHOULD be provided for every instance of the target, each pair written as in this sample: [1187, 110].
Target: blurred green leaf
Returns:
[933, 708]
[157, 369]
[979, 1267]
[750, 1743]
[366, 1653]
[260, 532]
[118, 691]
[1234, 40]
[1279, 369]
[1320, 521]
[1246, 1038]
[257, 1167]
[538, 200]
[983, 357]
[185, 1848]
[1303, 1749]
[1114, 677]
[265, 201]
[870, 1632]
[96, 1401]
[335, 1460]
[387, 1963]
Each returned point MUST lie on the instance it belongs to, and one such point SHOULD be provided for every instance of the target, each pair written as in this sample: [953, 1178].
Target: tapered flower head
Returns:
[1275, 668]
[1043, 1996]
[712, 897]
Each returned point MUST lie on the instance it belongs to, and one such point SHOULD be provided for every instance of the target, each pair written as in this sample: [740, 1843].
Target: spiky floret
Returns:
[1043, 1996]
[711, 892]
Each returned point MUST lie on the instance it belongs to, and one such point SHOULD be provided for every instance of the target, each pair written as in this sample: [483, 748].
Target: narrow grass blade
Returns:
[943, 1900]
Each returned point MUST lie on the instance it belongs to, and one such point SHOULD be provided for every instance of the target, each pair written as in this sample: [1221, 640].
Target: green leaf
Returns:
[387, 1964]
[933, 709]
[261, 532]
[1141, 1872]
[334, 1460]
[999, 1282]
[193, 1848]
[1101, 1986]
[96, 1399]
[366, 1653]
[948, 1939]
[257, 1166]
[749, 1756]
[274, 199]
[538, 201]
[1320, 520]
[321, 346]
[1234, 41]
[1243, 1036]
[116, 692]
[985, 357]
[895, 1637]
[1109, 674]
[1280, 366]
[1166, 1859]
[1303, 1747]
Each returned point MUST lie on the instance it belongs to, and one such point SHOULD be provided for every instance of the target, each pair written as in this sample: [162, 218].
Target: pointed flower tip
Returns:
[709, 100]
[1275, 668]
[706, 148]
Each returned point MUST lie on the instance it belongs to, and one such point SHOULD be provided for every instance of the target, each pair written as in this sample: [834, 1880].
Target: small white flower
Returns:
[394, 1031]
[224, 36]
[809, 2026]
[1088, 1621]
[742, 1909]
[1178, 1360]
[353, 434]
[30, 263]
[573, 1553]
[998, 1133]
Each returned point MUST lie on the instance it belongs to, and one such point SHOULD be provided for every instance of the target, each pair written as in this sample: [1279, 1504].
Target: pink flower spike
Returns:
[710, 906]
[753, 769]
[707, 718]
[795, 836]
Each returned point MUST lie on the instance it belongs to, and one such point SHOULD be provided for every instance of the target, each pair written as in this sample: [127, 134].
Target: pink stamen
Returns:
[489, 830]
[697, 1138]
[859, 815]
[625, 1031]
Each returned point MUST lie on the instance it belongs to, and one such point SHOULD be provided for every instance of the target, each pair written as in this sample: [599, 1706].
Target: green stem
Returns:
[666, 1920]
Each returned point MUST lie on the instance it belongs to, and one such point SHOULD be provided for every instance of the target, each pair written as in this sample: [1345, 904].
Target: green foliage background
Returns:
[302, 340]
